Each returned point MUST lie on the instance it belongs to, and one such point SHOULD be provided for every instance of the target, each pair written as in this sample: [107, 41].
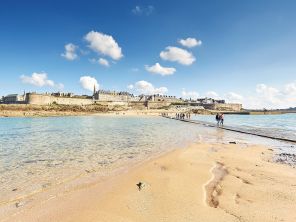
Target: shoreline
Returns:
[25, 110]
[204, 182]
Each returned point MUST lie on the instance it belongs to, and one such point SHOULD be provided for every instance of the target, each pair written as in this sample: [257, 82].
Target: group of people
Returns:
[220, 119]
[183, 115]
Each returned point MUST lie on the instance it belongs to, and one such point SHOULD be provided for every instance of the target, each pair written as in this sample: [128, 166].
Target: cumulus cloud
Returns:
[290, 89]
[158, 69]
[190, 42]
[233, 97]
[143, 10]
[40, 80]
[144, 87]
[189, 94]
[131, 86]
[212, 94]
[103, 44]
[265, 96]
[175, 54]
[70, 52]
[103, 62]
[88, 83]
[268, 94]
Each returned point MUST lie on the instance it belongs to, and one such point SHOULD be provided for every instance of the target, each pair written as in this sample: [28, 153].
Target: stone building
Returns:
[113, 98]
[14, 99]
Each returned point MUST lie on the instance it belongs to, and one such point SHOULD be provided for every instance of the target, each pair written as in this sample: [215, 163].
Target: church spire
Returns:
[94, 89]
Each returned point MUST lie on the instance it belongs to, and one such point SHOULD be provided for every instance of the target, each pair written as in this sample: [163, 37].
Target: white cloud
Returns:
[40, 80]
[70, 52]
[233, 97]
[131, 86]
[103, 62]
[103, 44]
[144, 87]
[158, 69]
[137, 10]
[176, 54]
[190, 42]
[212, 94]
[88, 83]
[189, 94]
[59, 86]
[270, 97]
[143, 10]
[290, 89]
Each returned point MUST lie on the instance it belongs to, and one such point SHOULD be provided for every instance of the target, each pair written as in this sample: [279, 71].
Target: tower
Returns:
[94, 89]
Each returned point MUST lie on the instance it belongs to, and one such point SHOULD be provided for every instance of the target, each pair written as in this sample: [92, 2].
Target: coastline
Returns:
[72, 110]
[204, 182]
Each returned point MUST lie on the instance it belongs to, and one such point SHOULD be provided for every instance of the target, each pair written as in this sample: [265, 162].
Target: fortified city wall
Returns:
[112, 99]
[224, 106]
[44, 99]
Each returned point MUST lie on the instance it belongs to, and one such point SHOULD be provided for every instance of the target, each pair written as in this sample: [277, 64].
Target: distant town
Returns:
[113, 98]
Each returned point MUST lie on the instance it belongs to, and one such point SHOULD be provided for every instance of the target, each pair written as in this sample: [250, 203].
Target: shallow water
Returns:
[36, 153]
[39, 153]
[282, 126]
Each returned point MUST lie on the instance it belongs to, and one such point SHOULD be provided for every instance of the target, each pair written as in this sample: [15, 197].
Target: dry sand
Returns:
[205, 182]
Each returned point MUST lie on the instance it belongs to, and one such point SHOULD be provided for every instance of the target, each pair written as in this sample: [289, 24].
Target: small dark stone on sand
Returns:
[232, 142]
[139, 185]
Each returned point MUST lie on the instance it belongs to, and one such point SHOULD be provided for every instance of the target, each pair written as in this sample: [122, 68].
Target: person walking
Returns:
[218, 119]
[222, 119]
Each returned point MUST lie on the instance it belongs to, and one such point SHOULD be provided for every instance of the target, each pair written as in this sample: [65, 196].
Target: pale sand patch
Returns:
[179, 186]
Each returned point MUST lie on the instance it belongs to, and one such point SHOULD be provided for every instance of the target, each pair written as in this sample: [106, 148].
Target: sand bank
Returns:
[205, 182]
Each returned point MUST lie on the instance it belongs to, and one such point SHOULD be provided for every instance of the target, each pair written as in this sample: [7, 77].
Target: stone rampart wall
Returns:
[157, 105]
[224, 106]
[43, 99]
[110, 97]
[137, 105]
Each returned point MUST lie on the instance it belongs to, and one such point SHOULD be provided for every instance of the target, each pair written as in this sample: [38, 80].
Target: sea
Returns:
[37, 154]
[280, 126]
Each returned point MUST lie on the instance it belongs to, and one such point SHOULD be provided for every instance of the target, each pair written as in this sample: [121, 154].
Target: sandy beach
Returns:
[204, 182]
[12, 110]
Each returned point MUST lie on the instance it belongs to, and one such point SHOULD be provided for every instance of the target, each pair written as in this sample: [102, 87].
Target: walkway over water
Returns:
[234, 129]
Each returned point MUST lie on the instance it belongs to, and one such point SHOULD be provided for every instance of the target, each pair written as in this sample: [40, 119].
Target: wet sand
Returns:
[204, 182]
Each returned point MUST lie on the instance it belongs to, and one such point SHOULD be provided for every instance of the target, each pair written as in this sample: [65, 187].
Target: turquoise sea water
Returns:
[39, 153]
[36, 153]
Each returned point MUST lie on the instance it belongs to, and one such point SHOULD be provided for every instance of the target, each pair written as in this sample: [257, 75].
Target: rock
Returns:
[18, 204]
[232, 142]
[140, 185]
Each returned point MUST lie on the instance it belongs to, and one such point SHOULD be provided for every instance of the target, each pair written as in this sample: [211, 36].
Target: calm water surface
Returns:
[36, 153]
[283, 126]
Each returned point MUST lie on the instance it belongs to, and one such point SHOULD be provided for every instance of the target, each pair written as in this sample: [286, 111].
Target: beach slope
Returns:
[205, 182]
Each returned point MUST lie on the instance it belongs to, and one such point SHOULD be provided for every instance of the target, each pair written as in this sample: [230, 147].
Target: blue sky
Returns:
[246, 54]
